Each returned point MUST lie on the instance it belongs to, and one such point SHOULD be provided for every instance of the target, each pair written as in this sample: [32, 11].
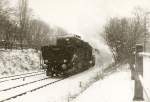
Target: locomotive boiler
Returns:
[67, 55]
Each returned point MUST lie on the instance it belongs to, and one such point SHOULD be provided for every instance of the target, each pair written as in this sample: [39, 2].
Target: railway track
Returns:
[21, 81]
[11, 88]
[23, 76]
[5, 89]
[20, 74]
[20, 90]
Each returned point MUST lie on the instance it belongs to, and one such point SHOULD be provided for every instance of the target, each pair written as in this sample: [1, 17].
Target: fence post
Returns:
[132, 63]
[138, 89]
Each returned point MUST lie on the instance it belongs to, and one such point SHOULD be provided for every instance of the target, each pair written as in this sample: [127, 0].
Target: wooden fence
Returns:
[141, 73]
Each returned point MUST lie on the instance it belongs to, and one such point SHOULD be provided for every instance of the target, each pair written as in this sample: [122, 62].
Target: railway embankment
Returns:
[18, 61]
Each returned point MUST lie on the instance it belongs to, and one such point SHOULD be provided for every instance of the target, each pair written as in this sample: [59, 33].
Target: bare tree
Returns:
[5, 23]
[17, 26]
[23, 20]
[121, 35]
[39, 33]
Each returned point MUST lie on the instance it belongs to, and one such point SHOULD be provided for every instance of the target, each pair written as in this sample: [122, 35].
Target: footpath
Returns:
[117, 87]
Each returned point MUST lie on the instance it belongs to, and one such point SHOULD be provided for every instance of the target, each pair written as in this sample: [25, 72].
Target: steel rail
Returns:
[24, 84]
[21, 74]
[32, 90]
[22, 77]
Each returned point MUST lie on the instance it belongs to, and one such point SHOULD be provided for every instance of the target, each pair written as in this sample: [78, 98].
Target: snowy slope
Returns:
[18, 61]
[117, 87]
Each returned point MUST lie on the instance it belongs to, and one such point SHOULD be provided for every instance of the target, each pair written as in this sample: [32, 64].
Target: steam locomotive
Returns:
[67, 55]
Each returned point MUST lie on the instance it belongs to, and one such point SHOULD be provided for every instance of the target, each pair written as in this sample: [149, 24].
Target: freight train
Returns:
[67, 55]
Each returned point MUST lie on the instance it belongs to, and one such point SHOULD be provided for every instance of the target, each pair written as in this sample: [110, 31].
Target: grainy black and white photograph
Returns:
[74, 50]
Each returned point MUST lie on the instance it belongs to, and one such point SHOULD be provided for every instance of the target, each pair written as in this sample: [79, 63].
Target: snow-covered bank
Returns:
[18, 61]
[117, 87]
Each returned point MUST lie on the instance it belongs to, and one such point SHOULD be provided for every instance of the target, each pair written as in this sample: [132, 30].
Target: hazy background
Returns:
[84, 17]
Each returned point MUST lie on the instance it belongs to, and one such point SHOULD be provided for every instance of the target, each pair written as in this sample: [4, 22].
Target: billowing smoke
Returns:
[101, 50]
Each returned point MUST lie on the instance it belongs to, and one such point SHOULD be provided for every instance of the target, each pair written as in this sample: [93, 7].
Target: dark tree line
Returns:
[18, 28]
[122, 34]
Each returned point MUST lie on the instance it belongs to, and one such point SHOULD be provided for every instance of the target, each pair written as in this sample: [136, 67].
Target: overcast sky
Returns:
[83, 16]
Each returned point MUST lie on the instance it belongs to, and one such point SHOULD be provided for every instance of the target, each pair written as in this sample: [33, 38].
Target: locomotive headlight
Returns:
[46, 61]
[65, 60]
[90, 62]
[64, 66]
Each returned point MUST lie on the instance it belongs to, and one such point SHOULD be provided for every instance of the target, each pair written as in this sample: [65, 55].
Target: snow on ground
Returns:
[146, 74]
[146, 71]
[117, 87]
[18, 90]
[63, 91]
[12, 83]
[18, 61]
